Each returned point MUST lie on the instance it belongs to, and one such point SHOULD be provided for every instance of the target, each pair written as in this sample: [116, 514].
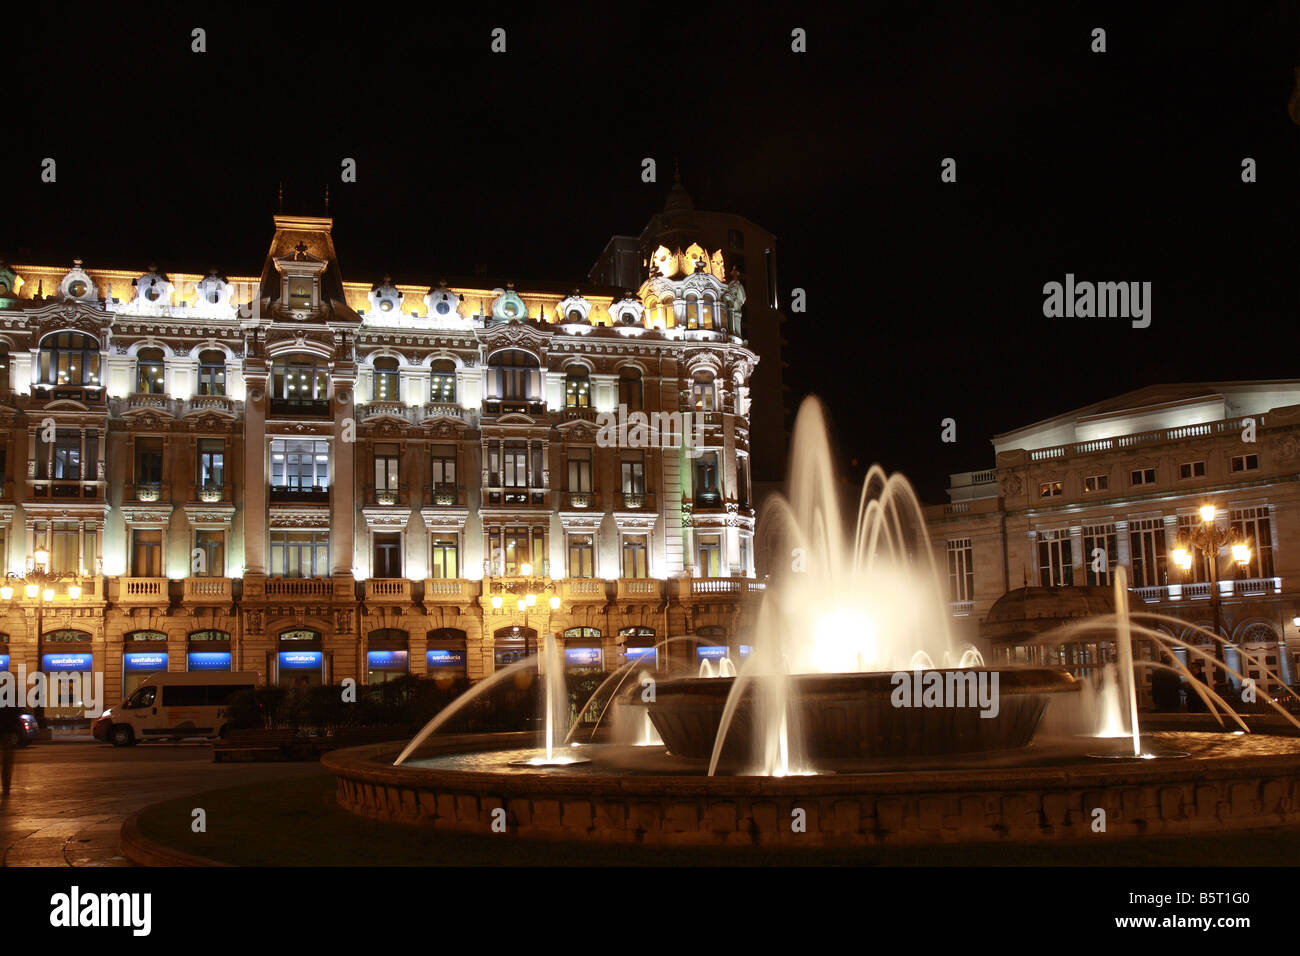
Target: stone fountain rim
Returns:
[372, 763]
[1011, 680]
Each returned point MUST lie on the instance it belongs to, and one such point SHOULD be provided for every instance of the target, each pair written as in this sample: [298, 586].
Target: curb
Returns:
[142, 851]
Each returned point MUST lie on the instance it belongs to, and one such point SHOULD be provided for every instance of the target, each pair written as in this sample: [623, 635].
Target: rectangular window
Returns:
[300, 464]
[1256, 529]
[1245, 462]
[212, 463]
[1100, 553]
[961, 570]
[211, 562]
[581, 556]
[580, 469]
[1055, 561]
[1191, 469]
[744, 555]
[446, 562]
[388, 555]
[1049, 489]
[742, 480]
[1142, 476]
[709, 554]
[443, 473]
[386, 468]
[64, 545]
[300, 554]
[148, 461]
[517, 550]
[633, 474]
[634, 556]
[1148, 553]
[146, 554]
[702, 395]
[1095, 483]
[707, 490]
[516, 465]
[67, 454]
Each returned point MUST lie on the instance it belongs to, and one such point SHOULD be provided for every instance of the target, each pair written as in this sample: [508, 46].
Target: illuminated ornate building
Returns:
[317, 478]
[1034, 541]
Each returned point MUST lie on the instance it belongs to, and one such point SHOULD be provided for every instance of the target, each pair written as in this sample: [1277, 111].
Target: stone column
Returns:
[255, 475]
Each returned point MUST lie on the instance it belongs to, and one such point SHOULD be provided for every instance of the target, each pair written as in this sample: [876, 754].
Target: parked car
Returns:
[172, 706]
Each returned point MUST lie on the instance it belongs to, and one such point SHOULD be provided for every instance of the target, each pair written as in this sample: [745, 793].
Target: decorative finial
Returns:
[281, 197]
[327, 199]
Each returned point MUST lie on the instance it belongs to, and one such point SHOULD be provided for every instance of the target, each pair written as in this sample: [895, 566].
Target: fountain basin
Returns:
[854, 716]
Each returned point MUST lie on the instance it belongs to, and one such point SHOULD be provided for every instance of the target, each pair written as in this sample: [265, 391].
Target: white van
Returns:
[171, 706]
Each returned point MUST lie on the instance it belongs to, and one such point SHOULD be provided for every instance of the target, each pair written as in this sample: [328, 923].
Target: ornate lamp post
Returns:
[40, 585]
[1210, 539]
[526, 590]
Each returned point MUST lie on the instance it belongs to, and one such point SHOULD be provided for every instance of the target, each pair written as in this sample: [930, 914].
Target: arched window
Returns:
[201, 636]
[577, 387]
[692, 311]
[630, 392]
[300, 379]
[515, 376]
[386, 379]
[442, 381]
[149, 372]
[69, 358]
[707, 306]
[702, 393]
[582, 634]
[212, 372]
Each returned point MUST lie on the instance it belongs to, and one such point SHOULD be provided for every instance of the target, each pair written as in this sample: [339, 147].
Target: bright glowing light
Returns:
[48, 594]
[521, 604]
[526, 570]
[531, 600]
[1241, 554]
[555, 605]
[6, 592]
[496, 602]
[844, 642]
[1183, 558]
[1207, 513]
[42, 557]
[74, 591]
[32, 590]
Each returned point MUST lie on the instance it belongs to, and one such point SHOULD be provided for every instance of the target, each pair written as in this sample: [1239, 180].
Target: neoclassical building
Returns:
[316, 478]
[1033, 542]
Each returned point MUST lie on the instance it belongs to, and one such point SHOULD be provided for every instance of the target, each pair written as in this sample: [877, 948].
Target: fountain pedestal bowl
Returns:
[853, 716]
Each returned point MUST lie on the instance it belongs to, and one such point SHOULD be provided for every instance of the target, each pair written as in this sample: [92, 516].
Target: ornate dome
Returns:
[1035, 603]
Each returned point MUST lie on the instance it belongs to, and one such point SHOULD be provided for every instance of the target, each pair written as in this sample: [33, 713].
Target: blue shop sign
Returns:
[4, 662]
[708, 652]
[301, 660]
[208, 660]
[582, 656]
[445, 658]
[386, 660]
[54, 663]
[147, 662]
[639, 653]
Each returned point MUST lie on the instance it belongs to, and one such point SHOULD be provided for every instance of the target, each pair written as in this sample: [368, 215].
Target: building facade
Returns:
[319, 479]
[1034, 542]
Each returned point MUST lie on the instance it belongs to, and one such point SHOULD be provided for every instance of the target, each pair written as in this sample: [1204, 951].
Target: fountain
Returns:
[855, 711]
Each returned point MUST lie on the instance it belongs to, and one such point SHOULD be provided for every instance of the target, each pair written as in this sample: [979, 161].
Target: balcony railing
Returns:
[705, 501]
[210, 403]
[1202, 590]
[496, 406]
[450, 591]
[149, 400]
[581, 501]
[299, 587]
[208, 590]
[514, 496]
[961, 608]
[293, 494]
[636, 501]
[301, 408]
[87, 394]
[212, 494]
[146, 492]
[441, 409]
[691, 587]
[1156, 436]
[67, 488]
[582, 590]
[135, 590]
[445, 496]
[389, 409]
[583, 414]
[640, 589]
[388, 591]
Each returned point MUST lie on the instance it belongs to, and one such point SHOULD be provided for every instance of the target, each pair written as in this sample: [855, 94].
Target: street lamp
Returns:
[1210, 539]
[39, 585]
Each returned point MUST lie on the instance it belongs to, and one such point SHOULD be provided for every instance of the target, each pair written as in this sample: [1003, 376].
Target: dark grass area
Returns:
[297, 823]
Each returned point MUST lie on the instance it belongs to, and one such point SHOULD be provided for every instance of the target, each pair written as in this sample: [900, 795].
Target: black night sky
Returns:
[925, 299]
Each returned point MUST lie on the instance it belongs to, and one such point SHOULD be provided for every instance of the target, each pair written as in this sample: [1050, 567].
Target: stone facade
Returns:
[295, 463]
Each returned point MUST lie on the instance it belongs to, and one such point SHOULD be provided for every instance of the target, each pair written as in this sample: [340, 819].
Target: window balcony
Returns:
[205, 591]
[86, 394]
[386, 497]
[147, 492]
[457, 591]
[579, 414]
[705, 501]
[385, 410]
[149, 400]
[1254, 587]
[582, 591]
[636, 501]
[301, 494]
[514, 496]
[441, 410]
[961, 608]
[445, 496]
[301, 408]
[140, 591]
[497, 406]
[640, 590]
[299, 587]
[210, 403]
[697, 588]
[387, 591]
[213, 494]
[67, 488]
[582, 501]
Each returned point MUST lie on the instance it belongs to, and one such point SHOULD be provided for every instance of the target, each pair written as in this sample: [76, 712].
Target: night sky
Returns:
[924, 298]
